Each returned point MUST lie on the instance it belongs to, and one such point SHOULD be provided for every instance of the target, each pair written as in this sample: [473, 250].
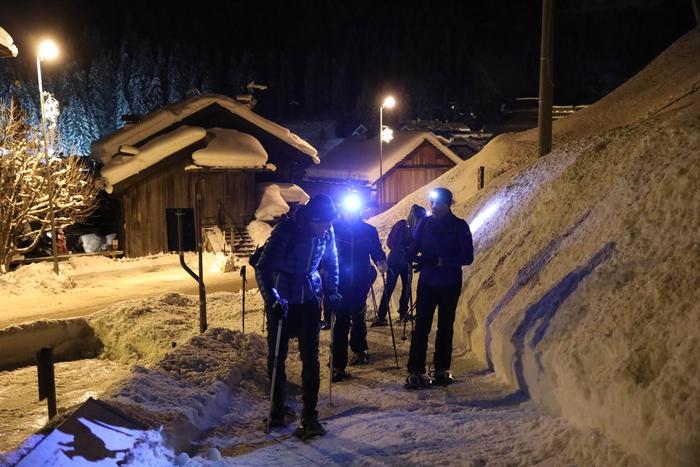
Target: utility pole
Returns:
[545, 102]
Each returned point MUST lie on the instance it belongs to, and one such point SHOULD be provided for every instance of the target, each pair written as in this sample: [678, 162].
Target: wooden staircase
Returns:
[236, 235]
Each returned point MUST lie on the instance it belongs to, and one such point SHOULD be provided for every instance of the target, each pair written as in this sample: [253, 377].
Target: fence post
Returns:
[482, 176]
[47, 382]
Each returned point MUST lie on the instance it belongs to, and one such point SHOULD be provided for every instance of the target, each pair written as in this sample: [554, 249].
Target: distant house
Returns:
[157, 163]
[411, 160]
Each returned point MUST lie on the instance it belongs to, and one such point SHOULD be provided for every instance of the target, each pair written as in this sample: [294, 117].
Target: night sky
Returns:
[334, 59]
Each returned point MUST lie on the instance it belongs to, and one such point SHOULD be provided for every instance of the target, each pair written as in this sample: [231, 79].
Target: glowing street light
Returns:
[389, 103]
[47, 51]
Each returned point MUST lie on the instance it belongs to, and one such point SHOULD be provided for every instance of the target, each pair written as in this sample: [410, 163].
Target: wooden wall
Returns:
[144, 203]
[419, 168]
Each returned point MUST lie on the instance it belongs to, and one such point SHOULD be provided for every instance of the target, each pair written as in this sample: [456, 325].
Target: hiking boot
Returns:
[360, 358]
[378, 322]
[442, 378]
[325, 325]
[340, 375]
[309, 428]
[417, 380]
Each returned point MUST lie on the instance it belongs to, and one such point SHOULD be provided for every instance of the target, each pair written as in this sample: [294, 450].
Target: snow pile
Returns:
[272, 204]
[584, 289]
[120, 168]
[231, 148]
[37, 277]
[259, 232]
[190, 389]
[143, 331]
[274, 199]
[70, 339]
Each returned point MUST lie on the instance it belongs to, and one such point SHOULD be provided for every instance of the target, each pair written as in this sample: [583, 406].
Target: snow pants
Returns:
[352, 321]
[392, 277]
[302, 322]
[445, 299]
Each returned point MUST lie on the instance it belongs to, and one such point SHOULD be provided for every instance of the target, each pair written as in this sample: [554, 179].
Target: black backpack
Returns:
[255, 257]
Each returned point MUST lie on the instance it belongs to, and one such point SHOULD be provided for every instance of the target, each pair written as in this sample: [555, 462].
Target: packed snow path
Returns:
[374, 420]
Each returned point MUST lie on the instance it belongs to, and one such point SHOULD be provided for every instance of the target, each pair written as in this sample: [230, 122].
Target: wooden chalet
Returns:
[155, 165]
[411, 160]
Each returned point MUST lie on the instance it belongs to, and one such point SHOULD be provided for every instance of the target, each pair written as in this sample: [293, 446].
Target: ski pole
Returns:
[391, 327]
[274, 375]
[330, 361]
[374, 302]
[243, 282]
[412, 309]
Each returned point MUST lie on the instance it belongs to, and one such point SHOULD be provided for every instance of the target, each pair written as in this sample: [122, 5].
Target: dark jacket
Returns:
[290, 261]
[356, 242]
[447, 240]
[399, 242]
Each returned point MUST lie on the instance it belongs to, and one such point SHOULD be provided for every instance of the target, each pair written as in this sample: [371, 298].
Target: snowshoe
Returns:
[442, 378]
[379, 322]
[360, 358]
[417, 381]
[340, 375]
[308, 429]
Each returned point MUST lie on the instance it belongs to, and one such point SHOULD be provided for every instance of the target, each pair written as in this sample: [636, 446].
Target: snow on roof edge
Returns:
[7, 42]
[371, 176]
[105, 148]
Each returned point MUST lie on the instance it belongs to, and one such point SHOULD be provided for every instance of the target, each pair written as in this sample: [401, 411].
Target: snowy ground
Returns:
[88, 284]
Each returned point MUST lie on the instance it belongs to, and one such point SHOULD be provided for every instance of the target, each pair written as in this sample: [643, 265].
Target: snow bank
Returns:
[272, 204]
[190, 389]
[585, 284]
[119, 168]
[259, 231]
[231, 148]
[70, 339]
[142, 331]
[37, 277]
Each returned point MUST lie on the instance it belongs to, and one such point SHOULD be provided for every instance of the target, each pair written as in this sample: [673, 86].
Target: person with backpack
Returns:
[289, 282]
[399, 242]
[357, 243]
[442, 245]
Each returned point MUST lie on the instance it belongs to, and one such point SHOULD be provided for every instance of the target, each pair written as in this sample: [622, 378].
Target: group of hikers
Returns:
[322, 259]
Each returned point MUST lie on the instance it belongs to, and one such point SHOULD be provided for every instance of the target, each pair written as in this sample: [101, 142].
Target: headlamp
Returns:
[352, 203]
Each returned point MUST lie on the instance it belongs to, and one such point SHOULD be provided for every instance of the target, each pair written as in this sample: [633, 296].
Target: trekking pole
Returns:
[412, 309]
[268, 428]
[243, 282]
[374, 302]
[391, 327]
[330, 362]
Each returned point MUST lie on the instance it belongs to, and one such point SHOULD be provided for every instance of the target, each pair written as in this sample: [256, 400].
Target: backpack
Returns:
[255, 257]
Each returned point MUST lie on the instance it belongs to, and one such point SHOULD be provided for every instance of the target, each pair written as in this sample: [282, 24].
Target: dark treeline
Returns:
[449, 60]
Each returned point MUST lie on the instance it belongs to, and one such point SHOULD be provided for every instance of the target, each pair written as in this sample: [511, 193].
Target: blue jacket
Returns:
[447, 240]
[290, 260]
[356, 242]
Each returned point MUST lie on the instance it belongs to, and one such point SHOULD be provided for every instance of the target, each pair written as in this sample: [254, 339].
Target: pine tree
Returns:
[102, 101]
[174, 77]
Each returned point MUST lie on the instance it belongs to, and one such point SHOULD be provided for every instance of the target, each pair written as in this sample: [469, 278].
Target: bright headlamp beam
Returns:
[352, 203]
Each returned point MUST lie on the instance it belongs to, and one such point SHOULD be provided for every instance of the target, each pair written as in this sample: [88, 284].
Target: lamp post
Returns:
[48, 51]
[389, 102]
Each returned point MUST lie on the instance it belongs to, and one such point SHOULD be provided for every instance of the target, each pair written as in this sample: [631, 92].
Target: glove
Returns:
[421, 262]
[280, 308]
[382, 266]
[332, 300]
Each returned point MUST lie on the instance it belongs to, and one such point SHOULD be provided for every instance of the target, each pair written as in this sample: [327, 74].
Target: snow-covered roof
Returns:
[7, 46]
[357, 158]
[134, 160]
[231, 148]
[106, 148]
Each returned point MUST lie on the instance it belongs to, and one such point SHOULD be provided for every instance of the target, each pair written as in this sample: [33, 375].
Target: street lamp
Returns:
[389, 102]
[47, 51]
